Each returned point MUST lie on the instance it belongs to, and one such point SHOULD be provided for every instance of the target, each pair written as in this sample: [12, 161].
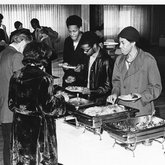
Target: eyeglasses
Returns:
[86, 51]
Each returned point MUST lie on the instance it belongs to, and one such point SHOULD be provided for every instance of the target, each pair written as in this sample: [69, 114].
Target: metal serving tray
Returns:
[135, 135]
[130, 137]
[97, 121]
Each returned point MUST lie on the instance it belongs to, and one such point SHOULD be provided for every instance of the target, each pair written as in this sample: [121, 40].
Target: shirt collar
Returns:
[12, 45]
[94, 55]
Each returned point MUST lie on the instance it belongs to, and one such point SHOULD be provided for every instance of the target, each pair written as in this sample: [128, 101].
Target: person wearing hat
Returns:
[135, 71]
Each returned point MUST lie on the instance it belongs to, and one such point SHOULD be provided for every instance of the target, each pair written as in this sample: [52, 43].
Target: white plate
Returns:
[69, 67]
[110, 43]
[63, 65]
[74, 89]
[130, 97]
[78, 101]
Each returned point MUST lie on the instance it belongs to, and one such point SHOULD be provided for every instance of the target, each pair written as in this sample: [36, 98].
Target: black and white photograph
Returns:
[82, 83]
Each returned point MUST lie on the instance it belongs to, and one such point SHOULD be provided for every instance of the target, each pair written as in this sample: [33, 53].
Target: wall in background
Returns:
[158, 23]
[152, 16]
[50, 15]
[92, 15]
[96, 15]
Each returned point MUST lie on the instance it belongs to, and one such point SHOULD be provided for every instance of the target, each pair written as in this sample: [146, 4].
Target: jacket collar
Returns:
[134, 67]
[100, 53]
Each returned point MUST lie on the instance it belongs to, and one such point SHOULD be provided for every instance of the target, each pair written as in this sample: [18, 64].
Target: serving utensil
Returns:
[117, 100]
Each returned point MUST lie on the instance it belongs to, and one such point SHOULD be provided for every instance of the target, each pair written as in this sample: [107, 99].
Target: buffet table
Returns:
[76, 147]
[85, 144]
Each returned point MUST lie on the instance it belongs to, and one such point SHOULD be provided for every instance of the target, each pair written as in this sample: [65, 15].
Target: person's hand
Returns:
[101, 45]
[70, 79]
[78, 68]
[65, 64]
[65, 95]
[112, 98]
[86, 91]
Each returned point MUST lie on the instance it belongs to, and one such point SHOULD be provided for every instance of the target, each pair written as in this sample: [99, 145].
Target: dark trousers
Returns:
[6, 133]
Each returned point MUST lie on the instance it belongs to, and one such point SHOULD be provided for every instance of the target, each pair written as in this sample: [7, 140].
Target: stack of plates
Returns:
[110, 43]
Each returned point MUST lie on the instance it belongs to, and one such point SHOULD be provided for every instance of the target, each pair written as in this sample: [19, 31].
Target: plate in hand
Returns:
[66, 66]
[75, 89]
[130, 97]
[78, 101]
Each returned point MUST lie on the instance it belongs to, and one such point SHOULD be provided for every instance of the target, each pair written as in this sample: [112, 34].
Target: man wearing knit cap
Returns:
[135, 74]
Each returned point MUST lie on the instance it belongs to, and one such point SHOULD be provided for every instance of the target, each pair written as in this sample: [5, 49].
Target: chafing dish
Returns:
[128, 133]
[94, 123]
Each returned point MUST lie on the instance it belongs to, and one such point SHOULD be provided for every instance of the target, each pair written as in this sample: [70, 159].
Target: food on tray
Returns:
[104, 110]
[130, 97]
[74, 88]
[134, 97]
[133, 124]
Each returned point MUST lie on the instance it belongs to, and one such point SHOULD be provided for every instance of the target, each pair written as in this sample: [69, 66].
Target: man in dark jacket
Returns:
[42, 34]
[72, 53]
[99, 67]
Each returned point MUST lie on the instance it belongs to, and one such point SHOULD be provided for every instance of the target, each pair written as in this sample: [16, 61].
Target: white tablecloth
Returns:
[78, 148]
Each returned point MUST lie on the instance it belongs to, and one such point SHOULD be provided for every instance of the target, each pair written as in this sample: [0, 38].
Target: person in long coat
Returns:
[35, 105]
[135, 71]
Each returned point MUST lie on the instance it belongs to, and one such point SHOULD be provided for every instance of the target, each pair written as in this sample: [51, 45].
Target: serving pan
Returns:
[131, 131]
[97, 121]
